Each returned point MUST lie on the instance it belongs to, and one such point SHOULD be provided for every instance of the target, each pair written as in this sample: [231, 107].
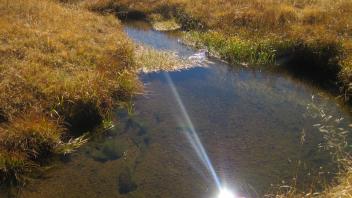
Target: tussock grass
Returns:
[62, 68]
[152, 60]
[166, 25]
[23, 141]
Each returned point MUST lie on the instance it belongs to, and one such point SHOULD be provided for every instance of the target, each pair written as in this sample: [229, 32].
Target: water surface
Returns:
[253, 124]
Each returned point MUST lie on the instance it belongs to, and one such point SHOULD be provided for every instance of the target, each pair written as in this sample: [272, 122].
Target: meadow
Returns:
[65, 63]
[62, 69]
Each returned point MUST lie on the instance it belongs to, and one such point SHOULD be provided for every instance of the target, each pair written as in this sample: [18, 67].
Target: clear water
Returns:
[251, 123]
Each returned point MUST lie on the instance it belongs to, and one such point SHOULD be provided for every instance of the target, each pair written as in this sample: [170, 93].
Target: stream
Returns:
[252, 123]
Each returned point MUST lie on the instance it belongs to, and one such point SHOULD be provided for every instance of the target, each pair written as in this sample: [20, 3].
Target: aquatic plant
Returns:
[335, 135]
[335, 141]
[107, 124]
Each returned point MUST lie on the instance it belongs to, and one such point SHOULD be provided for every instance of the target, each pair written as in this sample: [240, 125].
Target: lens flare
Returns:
[196, 144]
[225, 193]
[192, 135]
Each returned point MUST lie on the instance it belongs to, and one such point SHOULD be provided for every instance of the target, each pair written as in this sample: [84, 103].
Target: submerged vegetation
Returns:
[336, 142]
[62, 70]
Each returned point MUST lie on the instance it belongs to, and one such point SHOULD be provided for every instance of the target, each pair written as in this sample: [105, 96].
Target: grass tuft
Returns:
[152, 60]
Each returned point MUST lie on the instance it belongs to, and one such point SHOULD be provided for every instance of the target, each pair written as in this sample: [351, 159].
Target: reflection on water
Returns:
[250, 123]
[192, 135]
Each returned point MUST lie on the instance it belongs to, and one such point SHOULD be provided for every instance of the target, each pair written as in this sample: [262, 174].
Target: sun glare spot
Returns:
[225, 193]
[196, 143]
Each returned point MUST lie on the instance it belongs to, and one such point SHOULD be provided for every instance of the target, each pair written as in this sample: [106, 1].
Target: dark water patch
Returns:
[122, 12]
[3, 117]
[132, 15]
[319, 59]
[320, 75]
[126, 183]
[109, 150]
[80, 117]
[136, 124]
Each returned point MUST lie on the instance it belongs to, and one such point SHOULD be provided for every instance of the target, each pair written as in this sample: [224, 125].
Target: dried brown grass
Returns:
[60, 67]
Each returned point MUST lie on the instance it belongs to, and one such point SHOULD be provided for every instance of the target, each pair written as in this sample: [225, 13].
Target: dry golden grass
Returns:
[59, 65]
[259, 14]
[343, 189]
[47, 49]
[166, 25]
[152, 60]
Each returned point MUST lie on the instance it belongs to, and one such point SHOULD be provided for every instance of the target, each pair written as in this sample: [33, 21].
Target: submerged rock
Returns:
[111, 150]
[126, 183]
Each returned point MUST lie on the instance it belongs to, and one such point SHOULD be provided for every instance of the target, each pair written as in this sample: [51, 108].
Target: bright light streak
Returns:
[225, 193]
[193, 137]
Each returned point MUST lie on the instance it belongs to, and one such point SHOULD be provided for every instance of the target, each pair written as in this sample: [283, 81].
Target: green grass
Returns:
[234, 49]
[320, 56]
